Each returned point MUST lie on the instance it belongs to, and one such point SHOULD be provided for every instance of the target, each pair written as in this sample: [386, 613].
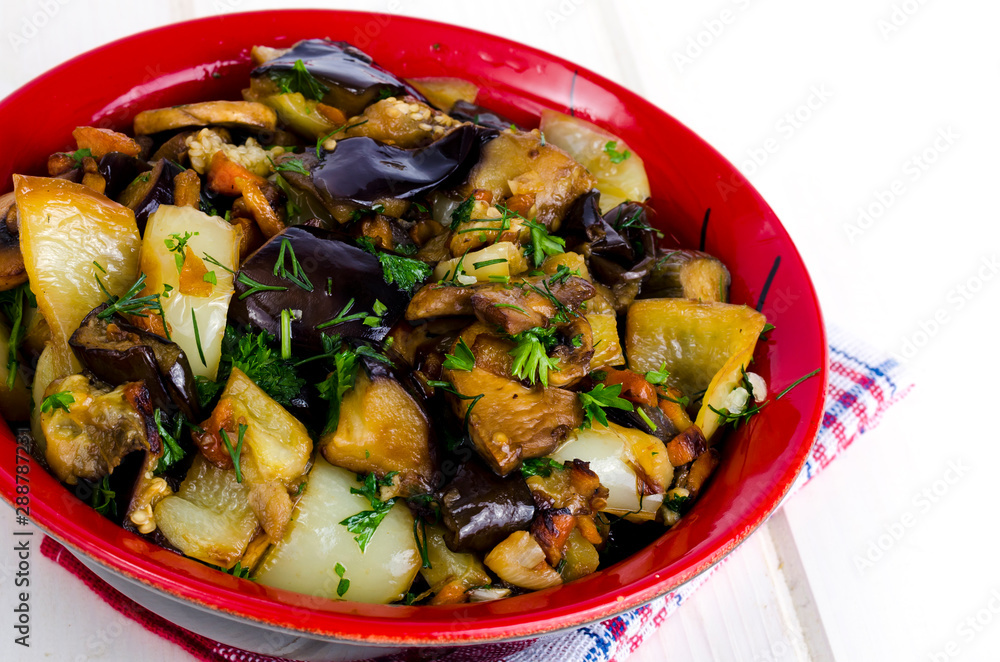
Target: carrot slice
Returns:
[223, 173]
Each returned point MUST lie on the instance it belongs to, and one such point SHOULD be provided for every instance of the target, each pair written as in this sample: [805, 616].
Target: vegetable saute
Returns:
[358, 337]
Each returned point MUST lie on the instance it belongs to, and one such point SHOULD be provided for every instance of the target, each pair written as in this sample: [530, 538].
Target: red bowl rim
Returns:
[204, 592]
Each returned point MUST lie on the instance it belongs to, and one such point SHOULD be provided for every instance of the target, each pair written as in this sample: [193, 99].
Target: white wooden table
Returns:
[831, 109]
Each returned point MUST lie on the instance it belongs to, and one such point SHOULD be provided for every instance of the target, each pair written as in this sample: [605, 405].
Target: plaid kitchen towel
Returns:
[863, 384]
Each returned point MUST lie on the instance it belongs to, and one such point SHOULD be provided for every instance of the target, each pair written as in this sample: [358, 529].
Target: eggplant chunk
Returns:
[479, 509]
[117, 352]
[344, 281]
[241, 114]
[97, 429]
[348, 79]
[119, 170]
[209, 518]
[689, 274]
[316, 545]
[363, 171]
[631, 464]
[510, 422]
[382, 428]
[515, 163]
[465, 111]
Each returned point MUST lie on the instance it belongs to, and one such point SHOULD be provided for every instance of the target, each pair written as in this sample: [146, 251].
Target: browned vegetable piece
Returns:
[442, 92]
[434, 300]
[12, 271]
[92, 178]
[492, 352]
[223, 174]
[61, 163]
[509, 422]
[146, 493]
[404, 122]
[382, 428]
[670, 400]
[175, 149]
[517, 163]
[104, 141]
[686, 446]
[187, 189]
[700, 471]
[567, 498]
[242, 114]
[551, 529]
[574, 354]
[99, 428]
[479, 509]
[251, 238]
[520, 560]
[689, 274]
[255, 200]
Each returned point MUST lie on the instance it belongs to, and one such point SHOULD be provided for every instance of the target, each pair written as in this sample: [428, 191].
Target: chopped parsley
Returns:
[614, 154]
[462, 213]
[462, 359]
[657, 377]
[595, 401]
[209, 277]
[79, 155]
[103, 498]
[60, 400]
[405, 272]
[338, 383]
[252, 353]
[543, 243]
[539, 466]
[344, 584]
[172, 451]
[364, 524]
[298, 79]
[177, 244]
[290, 165]
[531, 360]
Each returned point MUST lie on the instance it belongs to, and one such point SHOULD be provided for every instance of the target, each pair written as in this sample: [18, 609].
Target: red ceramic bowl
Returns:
[209, 59]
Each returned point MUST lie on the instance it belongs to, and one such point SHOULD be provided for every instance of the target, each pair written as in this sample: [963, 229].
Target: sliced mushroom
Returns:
[509, 422]
[531, 295]
[104, 141]
[12, 271]
[241, 114]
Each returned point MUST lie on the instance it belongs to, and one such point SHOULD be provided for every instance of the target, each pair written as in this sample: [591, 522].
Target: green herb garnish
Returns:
[366, 522]
[177, 244]
[613, 154]
[60, 400]
[344, 584]
[256, 287]
[298, 79]
[660, 376]
[531, 360]
[539, 466]
[103, 498]
[235, 453]
[598, 399]
[172, 451]
[405, 272]
[462, 359]
[197, 338]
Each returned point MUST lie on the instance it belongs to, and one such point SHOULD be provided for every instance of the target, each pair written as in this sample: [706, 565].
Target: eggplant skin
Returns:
[480, 509]
[363, 170]
[119, 170]
[117, 352]
[340, 273]
[353, 78]
[470, 112]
